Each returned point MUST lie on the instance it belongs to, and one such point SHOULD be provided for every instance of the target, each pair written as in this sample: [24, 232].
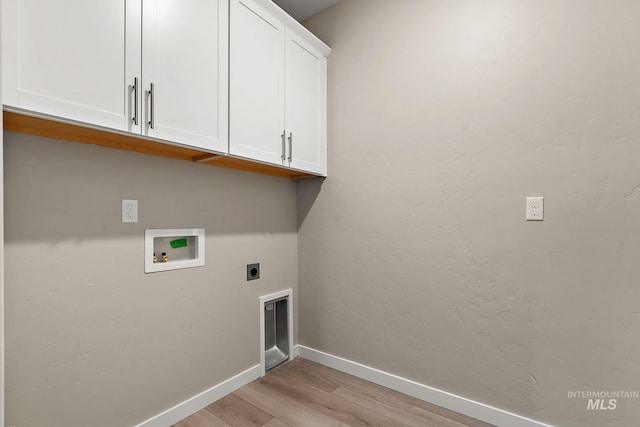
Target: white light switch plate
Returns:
[535, 208]
[129, 210]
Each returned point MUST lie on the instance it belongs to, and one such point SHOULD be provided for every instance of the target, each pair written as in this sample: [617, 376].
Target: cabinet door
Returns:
[66, 58]
[256, 79]
[305, 106]
[184, 51]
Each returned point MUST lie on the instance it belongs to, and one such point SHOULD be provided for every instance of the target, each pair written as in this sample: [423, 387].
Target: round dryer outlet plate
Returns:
[253, 271]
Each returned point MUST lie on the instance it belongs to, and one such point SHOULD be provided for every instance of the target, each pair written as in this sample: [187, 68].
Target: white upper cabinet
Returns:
[223, 76]
[277, 100]
[185, 71]
[66, 58]
[256, 83]
[305, 104]
[84, 61]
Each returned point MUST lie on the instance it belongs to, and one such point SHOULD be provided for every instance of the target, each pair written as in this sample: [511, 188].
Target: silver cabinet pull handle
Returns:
[290, 145]
[135, 101]
[284, 156]
[152, 102]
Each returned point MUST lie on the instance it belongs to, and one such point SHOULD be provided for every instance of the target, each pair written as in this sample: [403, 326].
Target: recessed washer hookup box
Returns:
[173, 249]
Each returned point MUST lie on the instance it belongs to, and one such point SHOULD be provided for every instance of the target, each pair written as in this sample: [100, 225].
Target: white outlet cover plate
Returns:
[535, 209]
[129, 210]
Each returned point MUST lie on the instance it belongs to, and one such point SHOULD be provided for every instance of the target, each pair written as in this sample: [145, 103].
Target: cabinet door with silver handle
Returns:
[188, 99]
[305, 104]
[41, 73]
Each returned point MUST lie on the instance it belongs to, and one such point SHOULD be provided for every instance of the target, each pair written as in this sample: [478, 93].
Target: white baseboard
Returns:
[447, 400]
[204, 399]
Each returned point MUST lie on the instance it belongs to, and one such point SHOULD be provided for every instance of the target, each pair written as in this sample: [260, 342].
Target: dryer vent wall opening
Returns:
[276, 333]
[276, 329]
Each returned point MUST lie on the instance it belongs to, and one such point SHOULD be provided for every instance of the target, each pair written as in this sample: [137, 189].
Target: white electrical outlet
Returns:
[535, 208]
[129, 210]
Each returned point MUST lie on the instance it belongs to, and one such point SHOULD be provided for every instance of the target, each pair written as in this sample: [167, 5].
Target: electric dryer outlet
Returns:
[253, 271]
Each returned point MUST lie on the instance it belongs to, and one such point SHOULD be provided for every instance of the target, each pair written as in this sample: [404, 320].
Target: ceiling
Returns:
[303, 9]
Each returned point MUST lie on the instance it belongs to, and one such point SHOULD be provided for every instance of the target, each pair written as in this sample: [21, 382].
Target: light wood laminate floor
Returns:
[304, 393]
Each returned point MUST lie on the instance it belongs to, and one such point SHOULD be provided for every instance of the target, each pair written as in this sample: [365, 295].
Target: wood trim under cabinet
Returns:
[24, 123]
[249, 166]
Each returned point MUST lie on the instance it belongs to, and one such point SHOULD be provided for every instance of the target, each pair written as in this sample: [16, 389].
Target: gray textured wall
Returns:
[90, 339]
[415, 257]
